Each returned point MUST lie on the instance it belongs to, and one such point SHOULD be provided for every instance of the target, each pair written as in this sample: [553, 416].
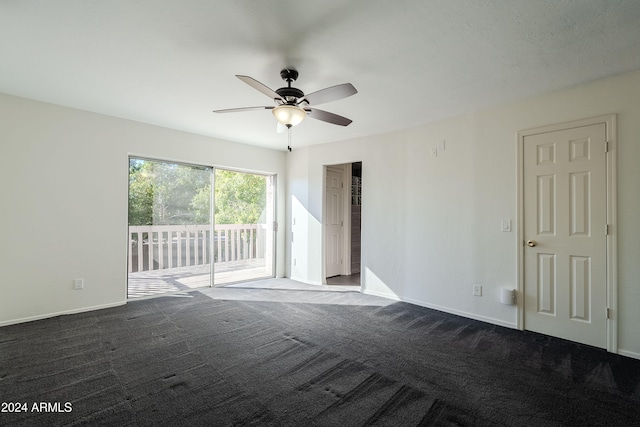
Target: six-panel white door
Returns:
[333, 222]
[565, 234]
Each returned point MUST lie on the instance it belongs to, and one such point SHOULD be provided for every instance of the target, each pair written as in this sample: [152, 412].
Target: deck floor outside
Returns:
[157, 282]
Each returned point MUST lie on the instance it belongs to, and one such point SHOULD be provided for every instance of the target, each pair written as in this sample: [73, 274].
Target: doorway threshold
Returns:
[350, 280]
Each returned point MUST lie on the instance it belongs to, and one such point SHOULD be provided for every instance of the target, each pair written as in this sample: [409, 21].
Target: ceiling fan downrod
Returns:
[289, 75]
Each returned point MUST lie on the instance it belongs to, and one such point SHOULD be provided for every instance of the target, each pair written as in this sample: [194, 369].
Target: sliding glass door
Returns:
[244, 226]
[169, 227]
[173, 242]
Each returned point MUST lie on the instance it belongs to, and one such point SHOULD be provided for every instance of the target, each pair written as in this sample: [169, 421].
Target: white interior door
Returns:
[565, 234]
[333, 222]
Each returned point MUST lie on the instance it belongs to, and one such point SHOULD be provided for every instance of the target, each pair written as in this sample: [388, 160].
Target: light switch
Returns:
[506, 225]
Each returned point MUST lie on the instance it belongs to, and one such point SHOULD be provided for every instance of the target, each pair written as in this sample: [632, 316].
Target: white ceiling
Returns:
[171, 62]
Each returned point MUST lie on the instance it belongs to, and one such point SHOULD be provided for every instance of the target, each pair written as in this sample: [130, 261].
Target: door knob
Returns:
[531, 243]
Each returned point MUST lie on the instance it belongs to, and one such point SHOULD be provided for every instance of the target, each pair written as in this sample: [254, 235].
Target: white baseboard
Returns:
[628, 353]
[443, 309]
[394, 297]
[60, 313]
[485, 319]
[460, 313]
[379, 294]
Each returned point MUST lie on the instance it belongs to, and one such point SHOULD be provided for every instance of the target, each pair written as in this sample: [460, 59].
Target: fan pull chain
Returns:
[289, 132]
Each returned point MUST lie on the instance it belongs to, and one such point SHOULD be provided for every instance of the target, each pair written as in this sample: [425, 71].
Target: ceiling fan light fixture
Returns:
[289, 115]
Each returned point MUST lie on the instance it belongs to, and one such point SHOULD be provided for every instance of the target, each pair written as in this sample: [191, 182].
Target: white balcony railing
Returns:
[157, 247]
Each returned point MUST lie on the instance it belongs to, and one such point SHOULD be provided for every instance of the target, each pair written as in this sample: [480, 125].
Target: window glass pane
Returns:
[169, 227]
[244, 236]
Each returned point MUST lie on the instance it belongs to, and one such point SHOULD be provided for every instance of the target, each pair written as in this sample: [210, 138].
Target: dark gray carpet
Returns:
[192, 360]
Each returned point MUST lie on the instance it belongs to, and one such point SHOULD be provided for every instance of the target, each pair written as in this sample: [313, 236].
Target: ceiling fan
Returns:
[292, 105]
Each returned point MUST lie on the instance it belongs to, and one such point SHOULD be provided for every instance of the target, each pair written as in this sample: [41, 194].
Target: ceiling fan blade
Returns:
[235, 110]
[328, 117]
[329, 94]
[259, 87]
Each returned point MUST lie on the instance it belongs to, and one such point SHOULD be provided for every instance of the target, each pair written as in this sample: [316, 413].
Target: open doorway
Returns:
[244, 214]
[342, 223]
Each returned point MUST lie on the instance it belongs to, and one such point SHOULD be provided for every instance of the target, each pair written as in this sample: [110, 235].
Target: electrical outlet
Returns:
[441, 146]
[78, 283]
[477, 290]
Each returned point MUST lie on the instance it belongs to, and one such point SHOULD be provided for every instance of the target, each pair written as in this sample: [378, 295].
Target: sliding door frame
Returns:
[211, 216]
[212, 169]
[274, 224]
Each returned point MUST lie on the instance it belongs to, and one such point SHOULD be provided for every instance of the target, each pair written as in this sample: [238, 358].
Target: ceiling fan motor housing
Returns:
[289, 94]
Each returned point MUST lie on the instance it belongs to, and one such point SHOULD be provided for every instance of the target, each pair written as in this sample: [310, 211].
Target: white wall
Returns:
[63, 215]
[431, 225]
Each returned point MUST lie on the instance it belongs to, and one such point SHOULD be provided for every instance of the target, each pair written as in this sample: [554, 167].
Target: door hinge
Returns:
[606, 146]
[606, 229]
[341, 223]
[608, 313]
[275, 226]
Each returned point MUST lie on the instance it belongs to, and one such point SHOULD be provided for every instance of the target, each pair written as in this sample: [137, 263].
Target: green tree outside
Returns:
[171, 194]
[240, 198]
